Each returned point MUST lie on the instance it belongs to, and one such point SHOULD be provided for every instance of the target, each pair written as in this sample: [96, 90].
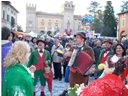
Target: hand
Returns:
[32, 68]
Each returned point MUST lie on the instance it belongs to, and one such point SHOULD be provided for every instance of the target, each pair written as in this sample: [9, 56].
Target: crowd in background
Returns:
[66, 45]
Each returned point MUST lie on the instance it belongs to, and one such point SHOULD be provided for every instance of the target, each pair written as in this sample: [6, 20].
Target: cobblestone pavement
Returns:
[58, 87]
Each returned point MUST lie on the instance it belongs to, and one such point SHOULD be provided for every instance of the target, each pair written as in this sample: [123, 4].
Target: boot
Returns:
[42, 94]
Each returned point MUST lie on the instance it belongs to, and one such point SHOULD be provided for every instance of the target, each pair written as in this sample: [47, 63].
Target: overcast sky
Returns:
[54, 6]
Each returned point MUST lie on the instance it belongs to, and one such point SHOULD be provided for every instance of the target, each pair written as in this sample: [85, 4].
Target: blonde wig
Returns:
[17, 53]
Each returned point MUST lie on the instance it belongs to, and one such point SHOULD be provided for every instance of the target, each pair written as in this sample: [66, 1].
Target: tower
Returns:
[68, 16]
[31, 18]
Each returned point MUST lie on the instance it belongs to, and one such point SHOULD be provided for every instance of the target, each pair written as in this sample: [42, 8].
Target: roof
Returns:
[123, 12]
[9, 3]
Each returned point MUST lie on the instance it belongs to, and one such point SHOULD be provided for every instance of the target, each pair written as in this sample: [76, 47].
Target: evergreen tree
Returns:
[94, 7]
[95, 11]
[110, 24]
[124, 6]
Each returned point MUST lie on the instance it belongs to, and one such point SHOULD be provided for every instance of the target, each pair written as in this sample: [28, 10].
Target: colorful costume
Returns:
[39, 63]
[103, 57]
[17, 81]
[76, 77]
[109, 85]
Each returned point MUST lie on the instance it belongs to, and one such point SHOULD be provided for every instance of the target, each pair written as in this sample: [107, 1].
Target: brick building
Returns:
[123, 24]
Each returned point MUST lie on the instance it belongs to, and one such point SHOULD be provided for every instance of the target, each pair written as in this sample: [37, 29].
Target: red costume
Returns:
[109, 85]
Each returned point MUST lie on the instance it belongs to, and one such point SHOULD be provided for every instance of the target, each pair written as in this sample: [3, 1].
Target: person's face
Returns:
[57, 41]
[41, 45]
[34, 40]
[10, 37]
[79, 40]
[107, 45]
[98, 43]
[119, 50]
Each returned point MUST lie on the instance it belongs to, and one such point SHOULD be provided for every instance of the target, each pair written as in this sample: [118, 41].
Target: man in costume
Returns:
[76, 77]
[105, 52]
[40, 58]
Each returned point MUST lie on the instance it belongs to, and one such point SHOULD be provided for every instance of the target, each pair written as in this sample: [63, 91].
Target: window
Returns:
[11, 11]
[123, 23]
[30, 23]
[49, 23]
[42, 22]
[3, 14]
[8, 17]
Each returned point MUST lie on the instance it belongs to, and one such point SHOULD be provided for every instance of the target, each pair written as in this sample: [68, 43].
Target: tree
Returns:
[19, 28]
[94, 7]
[109, 21]
[124, 6]
[95, 11]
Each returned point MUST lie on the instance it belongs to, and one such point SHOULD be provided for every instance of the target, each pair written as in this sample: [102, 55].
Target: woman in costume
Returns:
[111, 84]
[17, 79]
[119, 52]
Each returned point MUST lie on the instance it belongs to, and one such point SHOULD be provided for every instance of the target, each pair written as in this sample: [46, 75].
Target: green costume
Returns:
[34, 60]
[98, 62]
[17, 81]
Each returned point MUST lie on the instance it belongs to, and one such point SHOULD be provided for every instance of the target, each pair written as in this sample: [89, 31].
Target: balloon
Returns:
[101, 66]
[84, 28]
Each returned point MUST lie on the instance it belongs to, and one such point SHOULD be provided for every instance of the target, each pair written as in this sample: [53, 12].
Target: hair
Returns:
[119, 66]
[124, 53]
[17, 53]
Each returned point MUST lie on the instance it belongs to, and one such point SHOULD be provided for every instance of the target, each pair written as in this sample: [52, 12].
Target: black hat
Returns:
[40, 40]
[81, 34]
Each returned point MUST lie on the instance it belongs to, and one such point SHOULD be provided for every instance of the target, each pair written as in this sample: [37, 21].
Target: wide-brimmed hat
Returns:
[81, 34]
[40, 40]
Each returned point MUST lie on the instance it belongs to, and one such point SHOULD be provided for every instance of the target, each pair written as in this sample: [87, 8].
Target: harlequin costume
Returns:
[109, 85]
[17, 81]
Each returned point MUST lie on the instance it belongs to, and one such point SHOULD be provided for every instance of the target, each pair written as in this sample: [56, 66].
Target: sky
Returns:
[54, 6]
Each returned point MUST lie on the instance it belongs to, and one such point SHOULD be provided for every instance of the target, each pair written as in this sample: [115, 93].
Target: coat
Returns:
[109, 85]
[33, 59]
[17, 81]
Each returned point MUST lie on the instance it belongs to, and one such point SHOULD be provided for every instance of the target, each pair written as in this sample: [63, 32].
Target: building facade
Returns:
[54, 22]
[8, 15]
[123, 24]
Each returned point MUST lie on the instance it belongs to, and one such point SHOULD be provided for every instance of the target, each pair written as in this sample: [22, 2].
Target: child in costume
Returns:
[40, 58]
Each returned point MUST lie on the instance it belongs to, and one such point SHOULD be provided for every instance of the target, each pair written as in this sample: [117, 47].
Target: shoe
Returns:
[34, 94]
[42, 94]
[60, 79]
[64, 93]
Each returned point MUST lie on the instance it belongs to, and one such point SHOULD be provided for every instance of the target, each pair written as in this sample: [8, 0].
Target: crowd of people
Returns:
[28, 60]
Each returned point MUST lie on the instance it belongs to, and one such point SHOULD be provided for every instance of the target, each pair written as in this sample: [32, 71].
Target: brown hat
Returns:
[109, 41]
[40, 40]
[81, 34]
